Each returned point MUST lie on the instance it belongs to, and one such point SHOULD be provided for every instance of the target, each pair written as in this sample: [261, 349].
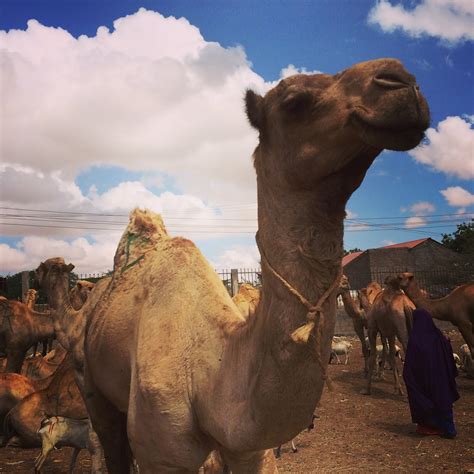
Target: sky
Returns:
[111, 105]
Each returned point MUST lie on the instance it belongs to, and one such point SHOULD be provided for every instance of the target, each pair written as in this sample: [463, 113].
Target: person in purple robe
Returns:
[429, 373]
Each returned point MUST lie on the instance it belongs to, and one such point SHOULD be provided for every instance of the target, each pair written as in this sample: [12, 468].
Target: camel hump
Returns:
[144, 231]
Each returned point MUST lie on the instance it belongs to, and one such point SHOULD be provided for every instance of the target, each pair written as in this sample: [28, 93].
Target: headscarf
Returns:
[429, 370]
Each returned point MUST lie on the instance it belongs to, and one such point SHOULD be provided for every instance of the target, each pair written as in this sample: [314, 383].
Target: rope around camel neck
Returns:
[314, 316]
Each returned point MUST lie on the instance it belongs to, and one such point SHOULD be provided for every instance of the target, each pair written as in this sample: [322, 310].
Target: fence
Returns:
[437, 282]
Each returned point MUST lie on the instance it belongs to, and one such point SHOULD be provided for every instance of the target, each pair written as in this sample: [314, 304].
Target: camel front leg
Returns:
[260, 462]
[467, 332]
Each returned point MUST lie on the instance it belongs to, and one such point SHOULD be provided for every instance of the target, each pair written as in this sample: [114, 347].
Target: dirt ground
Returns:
[355, 433]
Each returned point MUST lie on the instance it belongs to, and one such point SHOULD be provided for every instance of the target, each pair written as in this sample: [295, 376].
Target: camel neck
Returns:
[438, 308]
[350, 305]
[58, 299]
[43, 326]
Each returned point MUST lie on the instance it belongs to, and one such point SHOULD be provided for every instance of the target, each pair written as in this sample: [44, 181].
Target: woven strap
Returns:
[314, 316]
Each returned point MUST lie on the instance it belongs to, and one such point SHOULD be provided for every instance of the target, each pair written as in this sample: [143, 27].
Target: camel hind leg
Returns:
[372, 333]
[393, 362]
[111, 428]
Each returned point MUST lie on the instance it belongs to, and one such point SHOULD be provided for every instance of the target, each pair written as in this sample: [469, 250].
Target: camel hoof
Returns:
[364, 391]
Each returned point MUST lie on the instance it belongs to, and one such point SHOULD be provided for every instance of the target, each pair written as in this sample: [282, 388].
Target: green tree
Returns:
[462, 239]
[347, 252]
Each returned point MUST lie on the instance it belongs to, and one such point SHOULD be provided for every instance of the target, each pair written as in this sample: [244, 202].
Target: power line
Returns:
[358, 219]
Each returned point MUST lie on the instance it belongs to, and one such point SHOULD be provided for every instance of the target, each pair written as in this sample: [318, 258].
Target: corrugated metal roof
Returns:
[349, 257]
[406, 245]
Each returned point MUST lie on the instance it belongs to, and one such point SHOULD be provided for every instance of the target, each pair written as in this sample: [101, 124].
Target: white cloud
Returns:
[388, 242]
[88, 257]
[241, 256]
[422, 207]
[291, 70]
[151, 94]
[450, 20]
[413, 222]
[350, 214]
[450, 148]
[458, 196]
[12, 260]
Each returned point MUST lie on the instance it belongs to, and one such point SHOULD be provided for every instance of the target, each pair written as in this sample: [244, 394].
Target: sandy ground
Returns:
[355, 433]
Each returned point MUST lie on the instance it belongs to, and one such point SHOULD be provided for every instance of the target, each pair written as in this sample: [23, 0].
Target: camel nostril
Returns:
[390, 81]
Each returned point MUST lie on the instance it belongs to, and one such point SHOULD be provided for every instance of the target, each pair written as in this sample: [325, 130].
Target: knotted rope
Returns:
[314, 316]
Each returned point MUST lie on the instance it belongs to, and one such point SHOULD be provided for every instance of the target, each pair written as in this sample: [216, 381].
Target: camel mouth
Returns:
[397, 138]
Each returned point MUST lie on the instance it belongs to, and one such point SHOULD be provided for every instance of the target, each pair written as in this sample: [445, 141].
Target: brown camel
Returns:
[457, 307]
[79, 293]
[14, 388]
[40, 367]
[367, 295]
[247, 299]
[52, 276]
[21, 328]
[172, 369]
[357, 315]
[61, 397]
[30, 298]
[391, 316]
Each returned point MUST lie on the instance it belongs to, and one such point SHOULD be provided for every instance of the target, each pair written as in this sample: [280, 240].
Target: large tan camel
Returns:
[173, 370]
[457, 307]
[357, 314]
[21, 328]
[391, 316]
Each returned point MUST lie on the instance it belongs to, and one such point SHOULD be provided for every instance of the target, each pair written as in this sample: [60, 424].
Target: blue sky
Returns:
[111, 104]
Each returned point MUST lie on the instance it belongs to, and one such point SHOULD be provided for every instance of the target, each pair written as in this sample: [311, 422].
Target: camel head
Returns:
[79, 293]
[313, 126]
[392, 282]
[51, 272]
[344, 284]
[405, 280]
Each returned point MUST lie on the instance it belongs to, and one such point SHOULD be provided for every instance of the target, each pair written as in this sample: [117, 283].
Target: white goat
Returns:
[340, 347]
[61, 431]
[466, 358]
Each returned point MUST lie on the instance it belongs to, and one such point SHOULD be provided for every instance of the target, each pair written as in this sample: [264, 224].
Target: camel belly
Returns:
[107, 353]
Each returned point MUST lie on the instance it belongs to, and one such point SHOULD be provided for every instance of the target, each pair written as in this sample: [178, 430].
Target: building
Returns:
[437, 268]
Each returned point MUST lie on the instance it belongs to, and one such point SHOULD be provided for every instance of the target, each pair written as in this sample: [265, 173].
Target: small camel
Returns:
[172, 368]
[391, 316]
[20, 328]
[457, 307]
[79, 293]
[357, 315]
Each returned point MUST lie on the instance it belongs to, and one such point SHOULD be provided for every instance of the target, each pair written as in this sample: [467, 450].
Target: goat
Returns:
[340, 347]
[61, 431]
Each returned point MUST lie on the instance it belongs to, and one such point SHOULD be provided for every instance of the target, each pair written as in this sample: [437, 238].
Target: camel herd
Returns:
[173, 374]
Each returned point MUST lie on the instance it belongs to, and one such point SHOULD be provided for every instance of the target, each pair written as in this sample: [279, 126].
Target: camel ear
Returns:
[254, 109]
[296, 99]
